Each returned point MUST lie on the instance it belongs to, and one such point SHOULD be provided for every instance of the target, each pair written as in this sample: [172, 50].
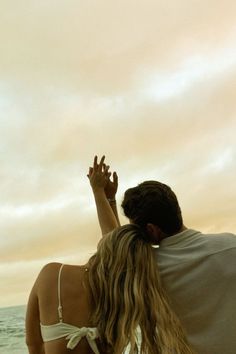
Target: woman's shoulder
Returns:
[50, 271]
[47, 271]
[54, 268]
[50, 267]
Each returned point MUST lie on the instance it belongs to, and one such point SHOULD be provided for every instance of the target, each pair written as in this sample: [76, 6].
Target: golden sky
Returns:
[151, 84]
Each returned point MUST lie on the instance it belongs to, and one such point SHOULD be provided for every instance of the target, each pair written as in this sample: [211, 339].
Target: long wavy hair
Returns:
[127, 293]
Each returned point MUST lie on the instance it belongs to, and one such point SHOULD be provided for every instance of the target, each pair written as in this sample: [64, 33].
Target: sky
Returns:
[151, 84]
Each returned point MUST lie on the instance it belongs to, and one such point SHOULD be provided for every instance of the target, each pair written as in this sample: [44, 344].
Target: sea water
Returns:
[12, 330]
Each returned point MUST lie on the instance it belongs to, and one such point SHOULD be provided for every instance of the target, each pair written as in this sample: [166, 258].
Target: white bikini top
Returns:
[72, 333]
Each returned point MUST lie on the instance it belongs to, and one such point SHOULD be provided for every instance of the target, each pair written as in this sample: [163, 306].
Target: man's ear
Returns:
[154, 232]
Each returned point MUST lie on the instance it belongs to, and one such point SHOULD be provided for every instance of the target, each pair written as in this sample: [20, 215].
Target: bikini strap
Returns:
[59, 294]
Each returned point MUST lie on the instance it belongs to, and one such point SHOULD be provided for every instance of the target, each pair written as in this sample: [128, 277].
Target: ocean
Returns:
[12, 330]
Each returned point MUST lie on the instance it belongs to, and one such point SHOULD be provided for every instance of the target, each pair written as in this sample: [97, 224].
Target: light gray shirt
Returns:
[199, 274]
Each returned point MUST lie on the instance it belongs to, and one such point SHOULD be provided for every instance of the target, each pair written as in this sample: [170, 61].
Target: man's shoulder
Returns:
[191, 244]
[193, 249]
[219, 242]
[219, 234]
[221, 237]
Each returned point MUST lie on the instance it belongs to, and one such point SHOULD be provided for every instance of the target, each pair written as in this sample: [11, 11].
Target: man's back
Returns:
[199, 274]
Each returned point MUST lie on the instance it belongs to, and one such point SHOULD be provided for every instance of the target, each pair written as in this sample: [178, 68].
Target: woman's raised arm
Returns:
[99, 177]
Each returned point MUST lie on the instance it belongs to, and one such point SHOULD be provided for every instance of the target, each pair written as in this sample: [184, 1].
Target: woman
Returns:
[97, 308]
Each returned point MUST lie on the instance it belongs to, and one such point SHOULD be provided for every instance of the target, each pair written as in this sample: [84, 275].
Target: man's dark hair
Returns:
[153, 202]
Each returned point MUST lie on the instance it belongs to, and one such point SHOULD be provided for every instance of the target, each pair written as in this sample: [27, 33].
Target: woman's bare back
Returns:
[75, 301]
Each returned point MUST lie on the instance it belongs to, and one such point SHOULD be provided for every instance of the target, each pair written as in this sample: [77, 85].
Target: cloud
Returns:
[151, 85]
[101, 47]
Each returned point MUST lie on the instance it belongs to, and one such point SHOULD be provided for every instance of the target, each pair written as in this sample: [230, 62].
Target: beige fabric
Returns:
[71, 333]
[199, 274]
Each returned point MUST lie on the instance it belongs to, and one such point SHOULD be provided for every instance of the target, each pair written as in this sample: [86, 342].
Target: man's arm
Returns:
[98, 177]
[113, 205]
[110, 191]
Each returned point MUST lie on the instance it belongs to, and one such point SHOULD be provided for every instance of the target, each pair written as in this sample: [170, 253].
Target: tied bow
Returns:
[90, 333]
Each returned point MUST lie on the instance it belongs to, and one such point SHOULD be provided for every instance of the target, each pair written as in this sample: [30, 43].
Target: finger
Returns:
[90, 171]
[105, 167]
[115, 177]
[101, 163]
[95, 162]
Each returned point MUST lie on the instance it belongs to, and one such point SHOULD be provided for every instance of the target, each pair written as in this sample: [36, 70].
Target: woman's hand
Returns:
[98, 174]
[99, 178]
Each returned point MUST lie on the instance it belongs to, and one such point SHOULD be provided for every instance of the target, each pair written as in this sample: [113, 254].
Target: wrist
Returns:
[111, 200]
[99, 191]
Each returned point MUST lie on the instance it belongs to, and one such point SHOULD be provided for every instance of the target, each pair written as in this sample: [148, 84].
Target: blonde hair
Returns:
[127, 293]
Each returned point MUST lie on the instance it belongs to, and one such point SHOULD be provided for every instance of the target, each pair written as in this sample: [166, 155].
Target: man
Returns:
[198, 270]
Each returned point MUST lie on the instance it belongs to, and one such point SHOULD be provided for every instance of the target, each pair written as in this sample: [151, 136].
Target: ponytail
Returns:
[127, 293]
